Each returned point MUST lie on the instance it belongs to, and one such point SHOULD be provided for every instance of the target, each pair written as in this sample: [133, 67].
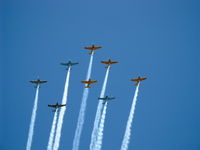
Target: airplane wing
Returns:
[142, 79]
[97, 47]
[101, 98]
[92, 81]
[63, 64]
[42, 81]
[105, 62]
[139, 79]
[109, 62]
[62, 105]
[89, 82]
[135, 80]
[85, 82]
[93, 48]
[111, 98]
[75, 63]
[69, 64]
[89, 48]
[113, 62]
[52, 106]
[33, 81]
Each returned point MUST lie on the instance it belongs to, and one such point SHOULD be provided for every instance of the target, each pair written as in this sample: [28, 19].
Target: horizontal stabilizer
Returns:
[108, 67]
[88, 86]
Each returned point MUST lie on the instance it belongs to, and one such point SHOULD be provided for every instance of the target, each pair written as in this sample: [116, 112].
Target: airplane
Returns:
[56, 106]
[92, 48]
[109, 62]
[106, 99]
[88, 83]
[138, 80]
[69, 64]
[38, 82]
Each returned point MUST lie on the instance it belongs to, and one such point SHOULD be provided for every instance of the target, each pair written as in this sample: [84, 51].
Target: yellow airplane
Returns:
[109, 62]
[92, 48]
[88, 83]
[137, 80]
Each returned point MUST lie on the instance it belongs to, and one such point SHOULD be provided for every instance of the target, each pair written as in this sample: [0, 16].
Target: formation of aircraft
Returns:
[109, 62]
[138, 80]
[92, 48]
[106, 99]
[88, 83]
[69, 64]
[38, 82]
[56, 106]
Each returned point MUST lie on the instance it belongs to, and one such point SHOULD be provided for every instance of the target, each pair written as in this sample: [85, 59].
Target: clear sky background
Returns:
[158, 39]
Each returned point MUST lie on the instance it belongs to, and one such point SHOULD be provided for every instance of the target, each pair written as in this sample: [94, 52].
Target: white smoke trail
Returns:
[52, 133]
[98, 113]
[98, 143]
[90, 67]
[62, 113]
[127, 135]
[33, 117]
[81, 117]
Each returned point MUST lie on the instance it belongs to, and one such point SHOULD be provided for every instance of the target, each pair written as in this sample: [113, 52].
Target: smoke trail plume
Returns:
[62, 113]
[98, 143]
[33, 117]
[127, 135]
[52, 133]
[98, 113]
[81, 117]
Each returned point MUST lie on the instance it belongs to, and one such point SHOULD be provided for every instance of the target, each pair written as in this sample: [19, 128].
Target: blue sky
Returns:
[158, 39]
